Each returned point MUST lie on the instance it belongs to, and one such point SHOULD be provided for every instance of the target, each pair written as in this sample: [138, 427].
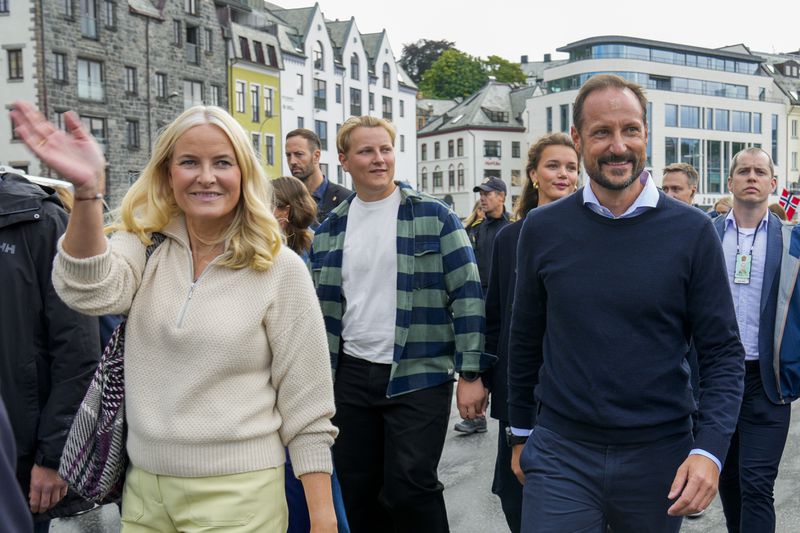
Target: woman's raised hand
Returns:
[74, 153]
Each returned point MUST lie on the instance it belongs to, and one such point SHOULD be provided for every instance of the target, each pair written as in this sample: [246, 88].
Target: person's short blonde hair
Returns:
[254, 236]
[364, 121]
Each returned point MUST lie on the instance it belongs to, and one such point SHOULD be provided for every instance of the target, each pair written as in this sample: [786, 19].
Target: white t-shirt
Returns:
[369, 279]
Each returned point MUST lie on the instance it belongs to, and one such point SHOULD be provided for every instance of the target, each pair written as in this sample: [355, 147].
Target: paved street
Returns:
[466, 471]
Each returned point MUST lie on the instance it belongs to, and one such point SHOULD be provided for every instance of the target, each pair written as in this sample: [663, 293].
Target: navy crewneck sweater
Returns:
[603, 313]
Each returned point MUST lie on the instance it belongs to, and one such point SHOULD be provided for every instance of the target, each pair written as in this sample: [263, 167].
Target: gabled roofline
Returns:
[621, 39]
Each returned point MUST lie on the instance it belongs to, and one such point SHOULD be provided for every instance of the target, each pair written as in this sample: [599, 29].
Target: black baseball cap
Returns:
[490, 184]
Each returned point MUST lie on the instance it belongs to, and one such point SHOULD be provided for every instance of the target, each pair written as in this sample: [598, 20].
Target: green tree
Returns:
[419, 56]
[453, 74]
[504, 70]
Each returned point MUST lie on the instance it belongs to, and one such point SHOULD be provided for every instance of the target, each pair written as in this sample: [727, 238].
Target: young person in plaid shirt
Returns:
[403, 307]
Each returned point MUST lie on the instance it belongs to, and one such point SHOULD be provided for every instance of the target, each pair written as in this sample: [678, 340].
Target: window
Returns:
[437, 153]
[161, 85]
[90, 80]
[491, 148]
[460, 147]
[97, 127]
[192, 45]
[355, 102]
[794, 160]
[549, 119]
[3, 6]
[208, 40]
[320, 94]
[324, 168]
[318, 56]
[564, 110]
[58, 120]
[66, 7]
[216, 95]
[690, 152]
[190, 6]
[740, 121]
[354, 66]
[299, 84]
[339, 174]
[424, 179]
[177, 32]
[255, 140]
[671, 115]
[387, 76]
[451, 177]
[714, 172]
[460, 176]
[450, 148]
[259, 49]
[756, 122]
[15, 64]
[111, 14]
[241, 87]
[60, 71]
[270, 144]
[794, 129]
[192, 93]
[721, 122]
[131, 80]
[268, 101]
[709, 118]
[423, 152]
[437, 177]
[774, 132]
[338, 93]
[321, 129]
[89, 18]
[272, 56]
[402, 143]
[255, 103]
[515, 149]
[386, 105]
[690, 117]
[516, 177]
[301, 122]
[132, 133]
[371, 101]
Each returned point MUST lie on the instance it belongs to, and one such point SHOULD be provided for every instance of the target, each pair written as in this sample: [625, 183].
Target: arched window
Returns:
[424, 176]
[460, 175]
[437, 177]
[355, 66]
[319, 56]
[387, 76]
[451, 177]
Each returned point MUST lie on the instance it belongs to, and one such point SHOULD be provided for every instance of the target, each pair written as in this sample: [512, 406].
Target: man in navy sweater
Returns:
[612, 283]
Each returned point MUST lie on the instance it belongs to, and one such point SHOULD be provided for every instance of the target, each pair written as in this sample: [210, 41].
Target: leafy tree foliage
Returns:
[453, 74]
[419, 56]
[504, 70]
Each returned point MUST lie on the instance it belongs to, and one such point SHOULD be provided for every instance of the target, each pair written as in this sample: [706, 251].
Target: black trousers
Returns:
[388, 450]
[505, 484]
[748, 477]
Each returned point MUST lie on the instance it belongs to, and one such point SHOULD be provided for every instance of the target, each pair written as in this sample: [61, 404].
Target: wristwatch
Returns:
[514, 440]
[470, 376]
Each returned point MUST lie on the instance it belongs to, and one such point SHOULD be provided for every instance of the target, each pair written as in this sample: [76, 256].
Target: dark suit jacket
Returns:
[334, 195]
[769, 301]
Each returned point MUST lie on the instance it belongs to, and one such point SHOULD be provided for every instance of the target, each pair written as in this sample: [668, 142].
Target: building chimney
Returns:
[547, 58]
[524, 60]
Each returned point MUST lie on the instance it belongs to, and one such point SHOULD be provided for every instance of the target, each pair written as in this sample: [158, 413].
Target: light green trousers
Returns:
[236, 503]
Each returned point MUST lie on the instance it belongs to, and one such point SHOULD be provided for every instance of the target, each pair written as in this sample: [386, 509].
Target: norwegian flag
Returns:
[789, 203]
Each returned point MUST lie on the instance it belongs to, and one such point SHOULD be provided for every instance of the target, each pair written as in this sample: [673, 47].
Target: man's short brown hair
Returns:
[753, 150]
[312, 138]
[605, 81]
[687, 169]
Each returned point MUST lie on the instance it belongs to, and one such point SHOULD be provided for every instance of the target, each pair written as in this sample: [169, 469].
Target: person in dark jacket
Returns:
[48, 352]
[13, 509]
[552, 171]
[303, 149]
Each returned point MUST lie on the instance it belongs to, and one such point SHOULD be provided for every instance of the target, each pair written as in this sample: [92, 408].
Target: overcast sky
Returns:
[511, 28]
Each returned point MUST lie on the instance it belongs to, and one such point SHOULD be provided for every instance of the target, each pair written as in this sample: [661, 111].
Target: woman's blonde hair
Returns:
[254, 236]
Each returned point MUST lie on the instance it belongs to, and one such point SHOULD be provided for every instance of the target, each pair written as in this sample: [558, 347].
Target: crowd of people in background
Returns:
[292, 345]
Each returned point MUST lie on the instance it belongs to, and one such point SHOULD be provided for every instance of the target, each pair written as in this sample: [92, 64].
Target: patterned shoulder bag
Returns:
[94, 459]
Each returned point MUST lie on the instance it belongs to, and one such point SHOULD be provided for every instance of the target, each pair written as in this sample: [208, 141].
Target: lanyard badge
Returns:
[741, 272]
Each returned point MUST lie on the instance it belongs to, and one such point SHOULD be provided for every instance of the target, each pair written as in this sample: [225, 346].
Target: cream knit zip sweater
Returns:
[219, 373]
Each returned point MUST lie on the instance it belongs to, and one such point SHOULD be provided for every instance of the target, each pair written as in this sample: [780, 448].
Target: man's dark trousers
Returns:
[388, 451]
[580, 486]
[748, 477]
[505, 484]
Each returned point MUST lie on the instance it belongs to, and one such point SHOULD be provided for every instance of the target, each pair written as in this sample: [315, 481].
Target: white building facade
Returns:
[704, 104]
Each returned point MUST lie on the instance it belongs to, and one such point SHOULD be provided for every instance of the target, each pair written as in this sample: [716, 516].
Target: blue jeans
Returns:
[299, 521]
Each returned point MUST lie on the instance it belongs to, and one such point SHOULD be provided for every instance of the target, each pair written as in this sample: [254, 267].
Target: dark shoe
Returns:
[474, 425]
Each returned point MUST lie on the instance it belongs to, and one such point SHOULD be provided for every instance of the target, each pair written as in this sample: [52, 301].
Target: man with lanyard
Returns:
[612, 283]
[302, 155]
[752, 244]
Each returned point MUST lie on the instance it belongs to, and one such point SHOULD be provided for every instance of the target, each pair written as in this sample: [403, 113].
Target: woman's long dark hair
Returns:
[529, 198]
[291, 192]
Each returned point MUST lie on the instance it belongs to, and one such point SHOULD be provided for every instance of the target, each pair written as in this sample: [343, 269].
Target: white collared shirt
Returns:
[646, 200]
